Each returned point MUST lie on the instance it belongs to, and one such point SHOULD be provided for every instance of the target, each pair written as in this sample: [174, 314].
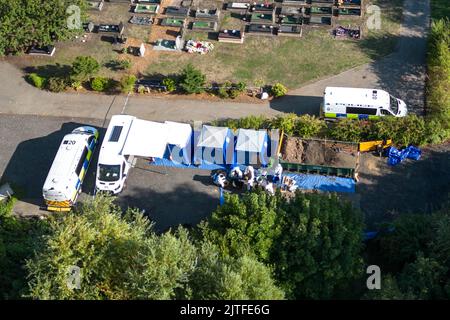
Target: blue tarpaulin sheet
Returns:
[396, 156]
[324, 183]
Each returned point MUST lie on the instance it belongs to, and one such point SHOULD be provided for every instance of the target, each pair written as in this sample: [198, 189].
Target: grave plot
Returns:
[290, 20]
[146, 8]
[290, 30]
[264, 18]
[238, 7]
[295, 2]
[207, 14]
[141, 21]
[204, 26]
[173, 22]
[319, 11]
[261, 29]
[348, 12]
[231, 36]
[177, 11]
[318, 20]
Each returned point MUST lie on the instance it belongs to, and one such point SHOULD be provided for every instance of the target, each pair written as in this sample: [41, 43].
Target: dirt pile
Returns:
[319, 152]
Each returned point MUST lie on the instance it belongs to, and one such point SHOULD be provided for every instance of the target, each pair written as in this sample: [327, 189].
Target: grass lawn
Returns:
[260, 60]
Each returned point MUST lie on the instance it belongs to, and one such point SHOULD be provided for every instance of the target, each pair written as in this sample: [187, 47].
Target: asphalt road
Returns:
[169, 197]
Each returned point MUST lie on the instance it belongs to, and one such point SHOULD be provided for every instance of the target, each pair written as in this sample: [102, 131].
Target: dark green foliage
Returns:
[346, 130]
[125, 64]
[307, 126]
[36, 80]
[18, 240]
[438, 84]
[192, 80]
[28, 22]
[84, 67]
[56, 84]
[313, 241]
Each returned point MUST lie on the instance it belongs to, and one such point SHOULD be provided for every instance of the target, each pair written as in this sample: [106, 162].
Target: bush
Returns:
[127, 84]
[36, 80]
[241, 86]
[100, 84]
[307, 126]
[224, 90]
[278, 90]
[84, 67]
[125, 64]
[76, 84]
[169, 84]
[141, 89]
[346, 130]
[56, 84]
[192, 80]
[285, 123]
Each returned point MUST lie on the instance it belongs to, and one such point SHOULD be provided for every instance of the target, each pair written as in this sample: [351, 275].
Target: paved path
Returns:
[402, 74]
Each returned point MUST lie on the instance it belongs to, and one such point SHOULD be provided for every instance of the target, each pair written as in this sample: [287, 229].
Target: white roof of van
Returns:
[375, 97]
[115, 138]
[62, 171]
[179, 134]
[146, 139]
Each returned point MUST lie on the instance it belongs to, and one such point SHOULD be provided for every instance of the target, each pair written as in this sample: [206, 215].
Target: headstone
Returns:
[90, 26]
[142, 50]
[264, 96]
[178, 44]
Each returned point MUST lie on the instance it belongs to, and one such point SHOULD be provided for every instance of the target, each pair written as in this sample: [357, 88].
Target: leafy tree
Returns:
[127, 84]
[29, 22]
[192, 80]
[84, 67]
[319, 246]
[278, 90]
[120, 257]
[307, 126]
[226, 277]
[389, 291]
[18, 240]
[244, 224]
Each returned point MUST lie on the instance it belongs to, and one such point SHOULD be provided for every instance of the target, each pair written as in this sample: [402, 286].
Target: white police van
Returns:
[63, 183]
[358, 103]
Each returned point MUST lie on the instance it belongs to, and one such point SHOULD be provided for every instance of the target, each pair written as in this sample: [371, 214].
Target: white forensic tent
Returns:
[249, 143]
[179, 135]
[212, 144]
[146, 139]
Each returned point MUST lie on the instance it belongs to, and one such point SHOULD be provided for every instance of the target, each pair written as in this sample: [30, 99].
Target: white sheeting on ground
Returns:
[251, 140]
[146, 139]
[179, 134]
[213, 137]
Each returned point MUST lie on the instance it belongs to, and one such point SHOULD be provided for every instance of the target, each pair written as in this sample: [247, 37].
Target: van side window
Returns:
[368, 111]
[81, 162]
[385, 112]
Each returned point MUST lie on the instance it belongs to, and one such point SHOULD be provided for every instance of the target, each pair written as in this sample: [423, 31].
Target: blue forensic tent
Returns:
[213, 146]
[251, 147]
[179, 142]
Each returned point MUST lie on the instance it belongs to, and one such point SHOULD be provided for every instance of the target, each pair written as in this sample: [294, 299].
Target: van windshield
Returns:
[109, 172]
[393, 105]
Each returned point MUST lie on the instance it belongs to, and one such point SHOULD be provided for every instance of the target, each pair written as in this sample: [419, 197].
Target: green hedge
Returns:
[438, 85]
[404, 131]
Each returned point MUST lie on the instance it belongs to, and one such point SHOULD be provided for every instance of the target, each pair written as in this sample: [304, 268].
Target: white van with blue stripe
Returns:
[67, 173]
[358, 103]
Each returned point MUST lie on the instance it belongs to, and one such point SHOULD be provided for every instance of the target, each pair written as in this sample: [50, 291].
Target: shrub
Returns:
[285, 123]
[307, 126]
[100, 84]
[169, 84]
[224, 90]
[56, 84]
[233, 93]
[125, 64]
[36, 80]
[346, 130]
[84, 67]
[241, 86]
[76, 84]
[127, 84]
[141, 89]
[278, 90]
[192, 80]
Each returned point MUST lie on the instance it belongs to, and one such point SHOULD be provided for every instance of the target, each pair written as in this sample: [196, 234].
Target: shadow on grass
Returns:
[50, 70]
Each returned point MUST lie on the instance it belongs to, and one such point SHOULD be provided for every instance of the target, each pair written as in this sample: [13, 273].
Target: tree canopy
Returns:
[28, 22]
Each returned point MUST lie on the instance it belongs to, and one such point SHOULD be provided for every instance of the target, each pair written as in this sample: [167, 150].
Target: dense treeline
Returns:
[35, 22]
